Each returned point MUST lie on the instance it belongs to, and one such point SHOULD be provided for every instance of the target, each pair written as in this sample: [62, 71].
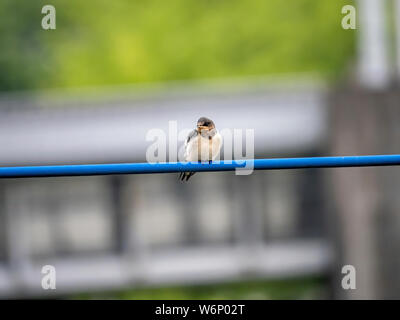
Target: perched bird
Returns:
[202, 144]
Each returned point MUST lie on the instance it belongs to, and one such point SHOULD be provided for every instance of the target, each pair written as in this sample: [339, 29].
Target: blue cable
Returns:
[226, 165]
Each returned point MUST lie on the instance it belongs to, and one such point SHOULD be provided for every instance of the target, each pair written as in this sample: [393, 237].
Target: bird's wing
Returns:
[192, 134]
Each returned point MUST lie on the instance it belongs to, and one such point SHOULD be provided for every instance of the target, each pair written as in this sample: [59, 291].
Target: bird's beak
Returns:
[201, 127]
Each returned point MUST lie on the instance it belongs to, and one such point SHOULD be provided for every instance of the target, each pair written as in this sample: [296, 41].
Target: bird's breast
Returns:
[202, 148]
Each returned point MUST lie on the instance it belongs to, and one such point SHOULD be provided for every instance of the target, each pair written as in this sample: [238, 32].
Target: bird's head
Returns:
[205, 124]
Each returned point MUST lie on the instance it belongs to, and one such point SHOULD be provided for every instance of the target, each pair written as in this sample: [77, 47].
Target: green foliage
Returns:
[124, 41]
[301, 288]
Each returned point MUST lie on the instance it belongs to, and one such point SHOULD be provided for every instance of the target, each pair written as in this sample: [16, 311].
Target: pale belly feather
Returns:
[204, 149]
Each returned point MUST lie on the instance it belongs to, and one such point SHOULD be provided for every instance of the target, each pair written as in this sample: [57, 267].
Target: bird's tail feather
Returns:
[184, 176]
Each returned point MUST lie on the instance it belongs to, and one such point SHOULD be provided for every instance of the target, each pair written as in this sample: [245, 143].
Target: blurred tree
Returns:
[295, 288]
[103, 42]
[21, 50]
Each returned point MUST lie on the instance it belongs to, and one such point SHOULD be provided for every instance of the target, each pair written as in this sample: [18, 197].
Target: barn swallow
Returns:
[202, 144]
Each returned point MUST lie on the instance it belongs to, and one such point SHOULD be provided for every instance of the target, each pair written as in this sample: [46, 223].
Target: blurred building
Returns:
[364, 117]
[126, 231]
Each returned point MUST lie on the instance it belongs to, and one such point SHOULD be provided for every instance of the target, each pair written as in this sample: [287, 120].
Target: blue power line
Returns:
[137, 168]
